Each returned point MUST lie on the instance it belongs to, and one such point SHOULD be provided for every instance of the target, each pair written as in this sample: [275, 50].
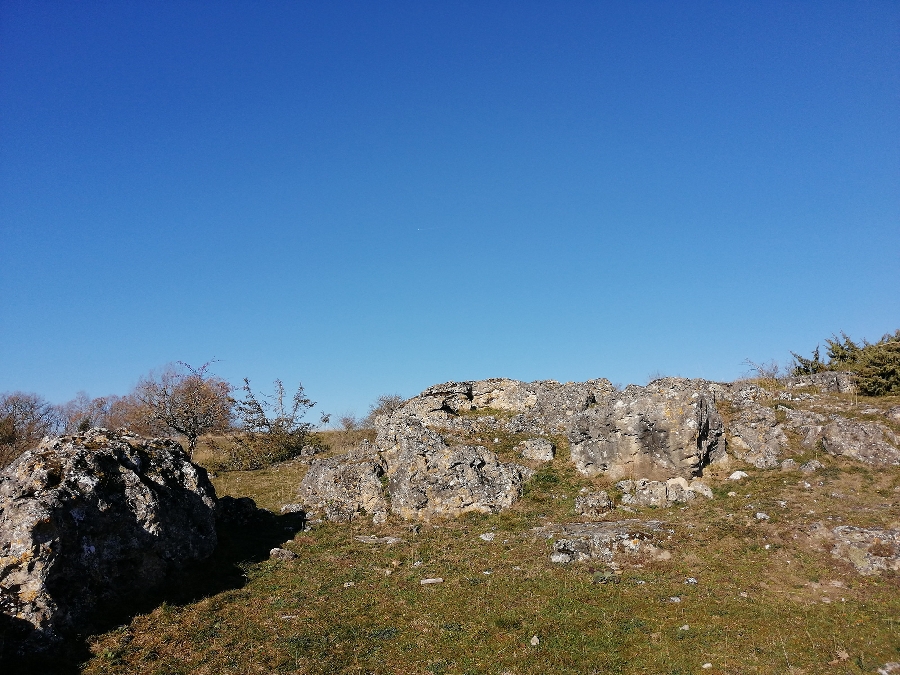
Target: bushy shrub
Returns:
[876, 365]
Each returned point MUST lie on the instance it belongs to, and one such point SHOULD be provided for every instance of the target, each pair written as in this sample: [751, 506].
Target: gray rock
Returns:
[645, 492]
[346, 486]
[811, 466]
[593, 504]
[372, 539]
[828, 382]
[756, 437]
[605, 542]
[93, 520]
[282, 554]
[428, 478]
[869, 442]
[789, 465]
[893, 414]
[869, 550]
[669, 428]
[539, 449]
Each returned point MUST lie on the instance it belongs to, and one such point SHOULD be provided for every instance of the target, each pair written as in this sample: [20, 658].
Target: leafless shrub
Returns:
[383, 405]
[25, 418]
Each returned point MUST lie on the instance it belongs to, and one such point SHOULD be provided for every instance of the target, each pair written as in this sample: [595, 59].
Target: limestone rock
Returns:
[282, 554]
[346, 486]
[538, 449]
[869, 550]
[869, 442]
[826, 382]
[426, 477]
[645, 492]
[593, 504]
[669, 428]
[755, 434]
[93, 520]
[606, 542]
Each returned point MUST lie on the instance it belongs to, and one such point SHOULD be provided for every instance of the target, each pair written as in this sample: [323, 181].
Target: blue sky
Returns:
[375, 197]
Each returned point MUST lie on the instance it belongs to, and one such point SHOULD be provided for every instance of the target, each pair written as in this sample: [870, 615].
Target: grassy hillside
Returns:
[768, 598]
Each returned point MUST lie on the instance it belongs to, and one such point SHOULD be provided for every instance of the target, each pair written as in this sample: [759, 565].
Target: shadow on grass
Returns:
[246, 534]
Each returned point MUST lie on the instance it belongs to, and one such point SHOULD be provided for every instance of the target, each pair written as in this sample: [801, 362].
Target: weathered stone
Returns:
[428, 478]
[869, 550]
[755, 434]
[893, 414]
[789, 465]
[645, 492]
[827, 382]
[606, 542]
[869, 442]
[282, 554]
[811, 466]
[346, 486]
[668, 428]
[94, 520]
[593, 504]
[538, 449]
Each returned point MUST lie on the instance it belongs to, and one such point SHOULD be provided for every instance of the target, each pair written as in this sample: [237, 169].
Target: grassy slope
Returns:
[799, 607]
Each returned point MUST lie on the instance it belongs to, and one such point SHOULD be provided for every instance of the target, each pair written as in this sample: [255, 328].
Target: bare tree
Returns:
[24, 419]
[186, 400]
[271, 427]
[349, 422]
[383, 405]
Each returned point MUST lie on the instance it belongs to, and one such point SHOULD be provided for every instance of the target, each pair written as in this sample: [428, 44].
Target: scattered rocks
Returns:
[372, 539]
[593, 504]
[538, 449]
[94, 520]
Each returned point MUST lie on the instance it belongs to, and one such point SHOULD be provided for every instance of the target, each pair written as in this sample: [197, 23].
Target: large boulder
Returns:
[669, 428]
[91, 521]
[870, 442]
[345, 486]
[426, 477]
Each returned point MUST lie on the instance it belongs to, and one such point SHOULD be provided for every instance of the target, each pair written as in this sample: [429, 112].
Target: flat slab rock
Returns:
[93, 520]
[608, 542]
[870, 550]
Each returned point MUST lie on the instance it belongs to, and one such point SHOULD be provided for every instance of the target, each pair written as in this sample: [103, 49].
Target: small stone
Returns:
[535, 641]
[811, 466]
[434, 580]
[292, 508]
[789, 465]
[762, 516]
[743, 594]
[685, 627]
[706, 666]
[674, 598]
[732, 494]
[691, 580]
[487, 536]
[282, 554]
[348, 584]
[418, 563]
[738, 475]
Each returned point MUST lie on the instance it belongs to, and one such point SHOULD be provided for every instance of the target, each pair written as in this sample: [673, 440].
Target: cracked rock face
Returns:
[427, 478]
[869, 442]
[92, 520]
[669, 428]
[345, 486]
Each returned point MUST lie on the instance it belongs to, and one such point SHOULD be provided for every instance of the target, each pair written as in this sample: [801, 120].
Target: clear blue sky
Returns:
[374, 197]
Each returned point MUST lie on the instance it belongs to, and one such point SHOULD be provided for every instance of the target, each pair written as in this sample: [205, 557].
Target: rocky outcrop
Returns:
[426, 477]
[93, 520]
[669, 428]
[613, 542]
[869, 442]
[346, 486]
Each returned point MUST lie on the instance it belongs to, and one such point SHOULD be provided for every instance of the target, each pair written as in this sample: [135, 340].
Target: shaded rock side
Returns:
[93, 520]
[345, 486]
[428, 478]
[669, 428]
